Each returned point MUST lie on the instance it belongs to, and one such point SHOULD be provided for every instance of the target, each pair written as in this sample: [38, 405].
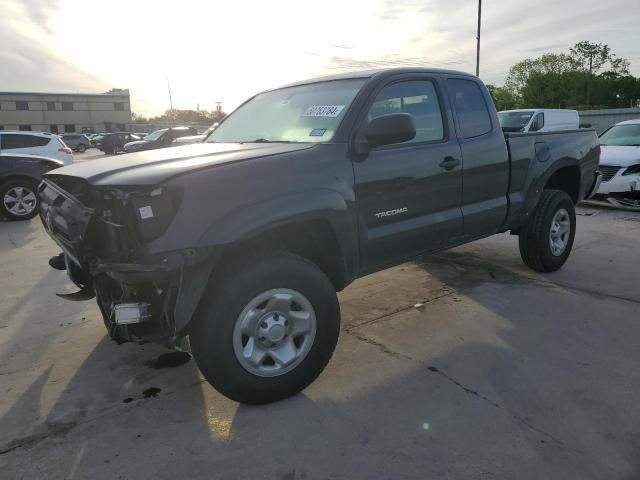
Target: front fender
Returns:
[252, 219]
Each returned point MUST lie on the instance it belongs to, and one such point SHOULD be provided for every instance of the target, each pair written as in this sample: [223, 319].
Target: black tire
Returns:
[534, 240]
[82, 148]
[211, 334]
[7, 187]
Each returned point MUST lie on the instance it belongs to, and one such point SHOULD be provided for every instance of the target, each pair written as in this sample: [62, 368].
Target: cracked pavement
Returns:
[461, 365]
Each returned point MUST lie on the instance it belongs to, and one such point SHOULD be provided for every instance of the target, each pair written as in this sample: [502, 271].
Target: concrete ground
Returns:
[464, 365]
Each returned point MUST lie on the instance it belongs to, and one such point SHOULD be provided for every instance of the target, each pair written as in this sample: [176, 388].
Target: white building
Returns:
[65, 112]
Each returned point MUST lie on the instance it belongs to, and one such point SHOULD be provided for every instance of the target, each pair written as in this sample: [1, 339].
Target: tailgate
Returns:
[65, 219]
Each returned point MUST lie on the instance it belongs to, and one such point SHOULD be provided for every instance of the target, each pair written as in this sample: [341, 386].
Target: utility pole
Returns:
[170, 100]
[478, 38]
[591, 54]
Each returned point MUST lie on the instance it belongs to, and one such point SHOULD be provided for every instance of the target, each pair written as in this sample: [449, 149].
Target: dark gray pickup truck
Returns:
[240, 243]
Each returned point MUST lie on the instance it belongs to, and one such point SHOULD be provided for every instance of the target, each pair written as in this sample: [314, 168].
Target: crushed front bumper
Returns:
[620, 184]
[105, 259]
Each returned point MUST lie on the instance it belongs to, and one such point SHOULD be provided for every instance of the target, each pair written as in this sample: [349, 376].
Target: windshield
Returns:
[623, 135]
[307, 113]
[155, 135]
[514, 120]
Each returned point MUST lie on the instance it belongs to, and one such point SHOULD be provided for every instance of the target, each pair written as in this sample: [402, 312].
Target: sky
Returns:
[225, 51]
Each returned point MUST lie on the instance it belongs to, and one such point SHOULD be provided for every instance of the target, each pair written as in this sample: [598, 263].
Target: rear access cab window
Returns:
[472, 110]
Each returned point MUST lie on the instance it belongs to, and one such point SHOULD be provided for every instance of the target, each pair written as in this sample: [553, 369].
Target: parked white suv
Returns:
[35, 143]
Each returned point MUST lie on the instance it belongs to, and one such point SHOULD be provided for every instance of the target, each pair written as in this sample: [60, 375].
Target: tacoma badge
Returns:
[390, 213]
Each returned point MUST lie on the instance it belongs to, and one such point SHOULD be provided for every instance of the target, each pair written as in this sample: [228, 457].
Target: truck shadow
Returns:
[506, 376]
[17, 234]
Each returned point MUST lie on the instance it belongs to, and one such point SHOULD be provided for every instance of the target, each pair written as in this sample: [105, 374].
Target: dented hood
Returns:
[155, 166]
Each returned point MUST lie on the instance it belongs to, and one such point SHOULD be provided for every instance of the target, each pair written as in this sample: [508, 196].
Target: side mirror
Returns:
[390, 129]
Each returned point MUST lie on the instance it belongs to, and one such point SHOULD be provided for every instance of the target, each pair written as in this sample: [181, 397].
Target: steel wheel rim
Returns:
[560, 232]
[20, 201]
[274, 332]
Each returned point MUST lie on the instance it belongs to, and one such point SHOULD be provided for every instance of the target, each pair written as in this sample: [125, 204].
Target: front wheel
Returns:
[81, 148]
[18, 199]
[269, 330]
[546, 241]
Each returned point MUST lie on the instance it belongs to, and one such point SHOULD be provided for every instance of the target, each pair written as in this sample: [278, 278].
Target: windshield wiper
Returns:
[264, 140]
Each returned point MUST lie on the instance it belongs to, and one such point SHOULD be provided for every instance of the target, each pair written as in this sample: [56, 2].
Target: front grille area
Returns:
[608, 172]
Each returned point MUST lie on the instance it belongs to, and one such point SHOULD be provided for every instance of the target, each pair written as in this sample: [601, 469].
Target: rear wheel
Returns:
[269, 329]
[81, 148]
[546, 241]
[19, 200]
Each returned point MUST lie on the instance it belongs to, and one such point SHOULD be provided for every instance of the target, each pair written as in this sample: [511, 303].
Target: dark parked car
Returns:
[20, 175]
[114, 142]
[195, 138]
[77, 142]
[95, 138]
[241, 242]
[160, 139]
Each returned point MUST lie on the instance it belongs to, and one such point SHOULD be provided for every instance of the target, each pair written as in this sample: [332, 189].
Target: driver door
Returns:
[409, 194]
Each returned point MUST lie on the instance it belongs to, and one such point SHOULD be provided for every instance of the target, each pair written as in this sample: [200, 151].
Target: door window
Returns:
[472, 110]
[10, 141]
[538, 122]
[417, 98]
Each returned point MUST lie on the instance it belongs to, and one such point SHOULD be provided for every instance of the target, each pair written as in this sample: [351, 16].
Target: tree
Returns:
[590, 57]
[135, 118]
[589, 76]
[619, 66]
[548, 64]
[593, 57]
[502, 97]
[183, 116]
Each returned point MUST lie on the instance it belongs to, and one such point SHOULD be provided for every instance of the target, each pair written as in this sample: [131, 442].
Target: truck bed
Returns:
[531, 156]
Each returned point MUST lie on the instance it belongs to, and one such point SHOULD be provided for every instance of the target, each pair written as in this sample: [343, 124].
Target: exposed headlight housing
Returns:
[155, 210]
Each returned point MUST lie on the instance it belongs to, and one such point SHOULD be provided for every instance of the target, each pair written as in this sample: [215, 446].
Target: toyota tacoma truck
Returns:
[237, 246]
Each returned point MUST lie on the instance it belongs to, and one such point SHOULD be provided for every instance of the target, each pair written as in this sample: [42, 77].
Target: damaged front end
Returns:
[105, 233]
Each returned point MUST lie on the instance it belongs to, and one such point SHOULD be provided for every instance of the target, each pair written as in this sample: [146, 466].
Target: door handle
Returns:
[449, 163]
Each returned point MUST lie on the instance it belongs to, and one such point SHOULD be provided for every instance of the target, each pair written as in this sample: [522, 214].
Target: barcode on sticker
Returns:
[145, 212]
[323, 111]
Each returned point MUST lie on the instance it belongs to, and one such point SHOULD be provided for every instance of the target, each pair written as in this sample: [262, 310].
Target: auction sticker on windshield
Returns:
[323, 111]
